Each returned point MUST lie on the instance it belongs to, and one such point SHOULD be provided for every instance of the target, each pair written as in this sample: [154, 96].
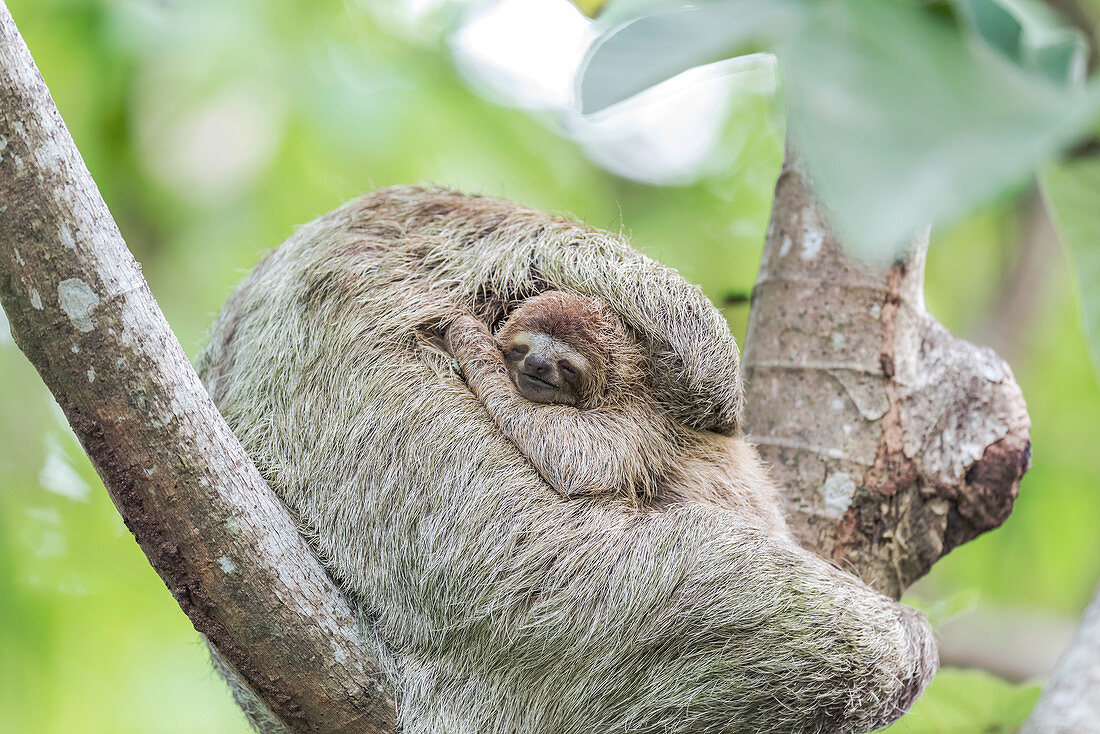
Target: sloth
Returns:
[563, 381]
[566, 383]
[495, 603]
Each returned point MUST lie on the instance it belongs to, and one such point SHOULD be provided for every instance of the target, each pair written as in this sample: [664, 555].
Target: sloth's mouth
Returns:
[533, 381]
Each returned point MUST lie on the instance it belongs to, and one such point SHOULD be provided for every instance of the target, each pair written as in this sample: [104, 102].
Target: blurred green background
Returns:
[213, 129]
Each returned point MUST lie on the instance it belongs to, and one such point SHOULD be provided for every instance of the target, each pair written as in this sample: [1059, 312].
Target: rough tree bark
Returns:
[82, 313]
[897, 441]
[894, 441]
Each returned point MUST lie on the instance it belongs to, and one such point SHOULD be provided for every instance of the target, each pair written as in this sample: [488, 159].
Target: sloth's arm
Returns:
[577, 452]
[693, 356]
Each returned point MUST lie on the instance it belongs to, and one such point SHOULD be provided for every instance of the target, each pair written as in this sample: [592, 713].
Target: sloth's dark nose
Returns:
[537, 365]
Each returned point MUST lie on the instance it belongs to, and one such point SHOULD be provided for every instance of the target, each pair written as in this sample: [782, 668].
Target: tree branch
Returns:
[1070, 702]
[894, 440]
[82, 313]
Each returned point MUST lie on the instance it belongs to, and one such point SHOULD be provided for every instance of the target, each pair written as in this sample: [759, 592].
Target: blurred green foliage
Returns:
[214, 128]
[898, 127]
[1072, 191]
[967, 702]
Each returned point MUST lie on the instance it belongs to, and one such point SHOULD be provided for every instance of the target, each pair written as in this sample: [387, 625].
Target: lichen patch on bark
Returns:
[77, 300]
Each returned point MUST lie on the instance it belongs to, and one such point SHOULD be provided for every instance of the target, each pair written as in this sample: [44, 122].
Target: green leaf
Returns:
[947, 607]
[1062, 58]
[1072, 193]
[660, 44]
[917, 127]
[1030, 34]
[968, 702]
[992, 21]
[897, 129]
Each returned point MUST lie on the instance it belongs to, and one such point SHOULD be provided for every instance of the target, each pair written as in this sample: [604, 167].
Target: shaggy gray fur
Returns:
[497, 604]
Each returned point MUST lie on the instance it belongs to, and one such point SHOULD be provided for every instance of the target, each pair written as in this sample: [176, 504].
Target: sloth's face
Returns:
[545, 369]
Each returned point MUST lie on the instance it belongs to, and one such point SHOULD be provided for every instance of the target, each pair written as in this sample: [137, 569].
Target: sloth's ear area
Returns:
[696, 361]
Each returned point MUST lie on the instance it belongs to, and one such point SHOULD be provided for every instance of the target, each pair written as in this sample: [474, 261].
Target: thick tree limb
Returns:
[894, 440]
[81, 311]
[1070, 702]
[1015, 644]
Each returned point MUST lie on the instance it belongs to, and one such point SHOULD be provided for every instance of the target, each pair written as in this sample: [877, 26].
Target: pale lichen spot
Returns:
[847, 428]
[91, 375]
[36, 299]
[74, 349]
[838, 340]
[125, 336]
[3, 146]
[837, 494]
[65, 233]
[876, 310]
[77, 301]
[232, 525]
[837, 404]
[992, 369]
[120, 364]
[150, 471]
[227, 565]
[786, 246]
[50, 155]
[811, 244]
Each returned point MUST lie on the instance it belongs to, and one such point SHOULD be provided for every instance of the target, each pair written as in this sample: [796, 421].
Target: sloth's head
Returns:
[566, 349]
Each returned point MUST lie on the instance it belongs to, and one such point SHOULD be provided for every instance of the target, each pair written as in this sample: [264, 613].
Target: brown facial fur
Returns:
[609, 361]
